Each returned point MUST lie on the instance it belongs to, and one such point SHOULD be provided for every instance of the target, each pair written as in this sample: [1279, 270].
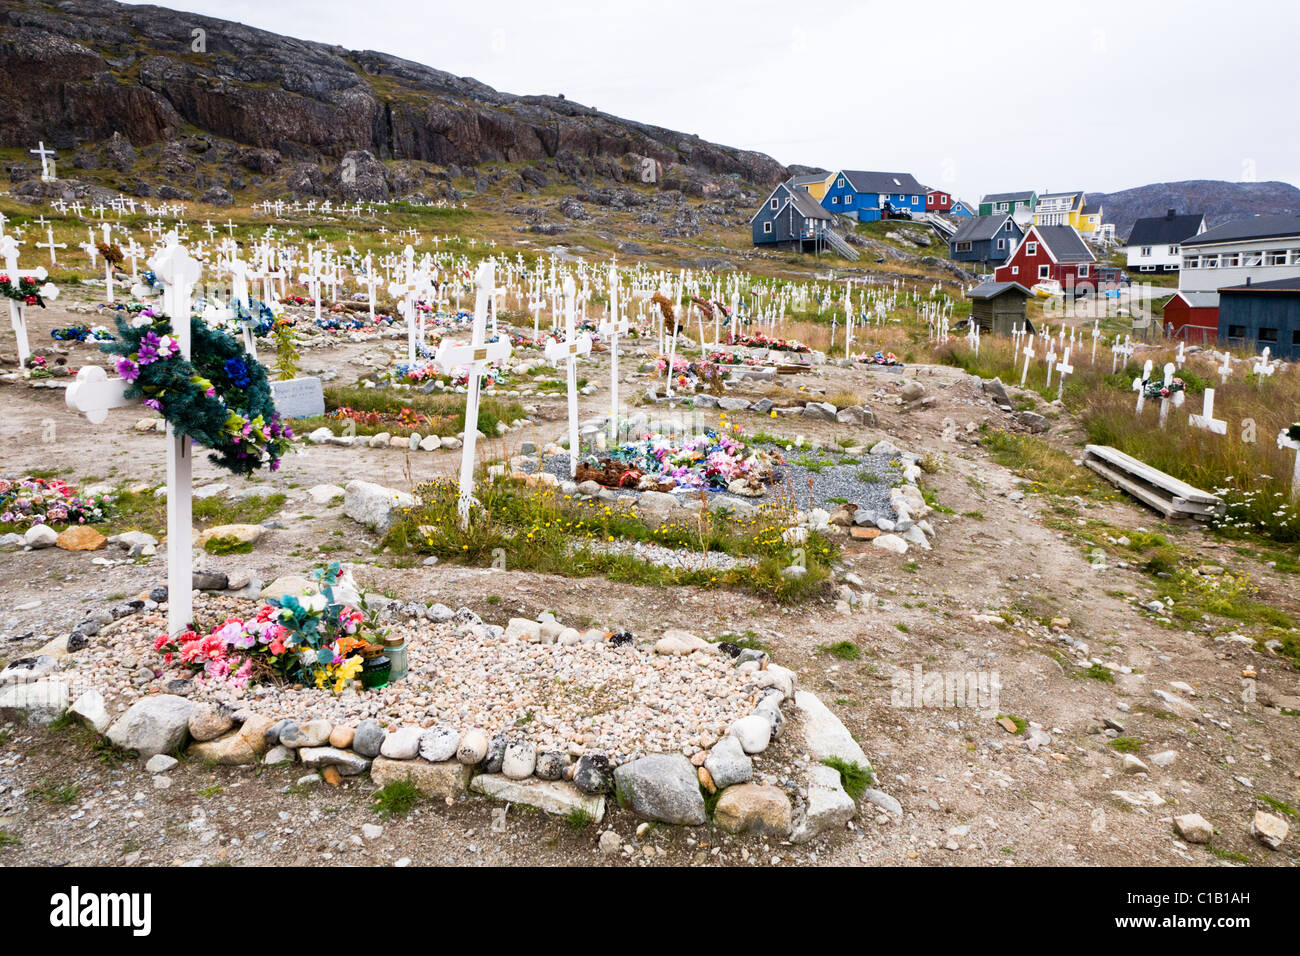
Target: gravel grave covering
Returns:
[832, 481]
[671, 557]
[625, 701]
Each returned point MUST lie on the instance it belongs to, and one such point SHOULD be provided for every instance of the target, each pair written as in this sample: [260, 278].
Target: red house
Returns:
[1193, 317]
[1049, 253]
[936, 200]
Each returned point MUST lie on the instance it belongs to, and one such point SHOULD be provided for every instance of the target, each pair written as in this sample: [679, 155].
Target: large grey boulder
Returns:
[728, 763]
[153, 725]
[374, 505]
[663, 787]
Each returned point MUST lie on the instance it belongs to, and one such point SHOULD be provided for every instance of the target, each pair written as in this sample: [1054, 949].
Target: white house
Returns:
[1155, 244]
[1262, 249]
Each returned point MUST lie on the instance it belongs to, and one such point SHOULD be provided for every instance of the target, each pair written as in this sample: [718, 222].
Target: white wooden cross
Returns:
[1051, 358]
[1284, 442]
[312, 279]
[614, 326]
[47, 164]
[1029, 357]
[1117, 349]
[17, 316]
[1179, 358]
[409, 286]
[1096, 334]
[51, 244]
[239, 273]
[1206, 419]
[1263, 367]
[1226, 368]
[1178, 397]
[93, 394]
[568, 351]
[1065, 368]
[474, 357]
[108, 266]
[1139, 385]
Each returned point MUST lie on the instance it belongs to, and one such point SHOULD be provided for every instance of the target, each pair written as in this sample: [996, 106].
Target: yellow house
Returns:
[1090, 218]
[815, 184]
[1063, 209]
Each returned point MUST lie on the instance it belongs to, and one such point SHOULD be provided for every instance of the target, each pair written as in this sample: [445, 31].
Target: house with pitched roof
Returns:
[1260, 249]
[986, 242]
[815, 184]
[868, 196]
[790, 218]
[1060, 209]
[1020, 205]
[1049, 253]
[1156, 242]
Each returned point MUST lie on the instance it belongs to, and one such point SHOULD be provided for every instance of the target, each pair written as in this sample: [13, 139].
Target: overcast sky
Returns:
[971, 97]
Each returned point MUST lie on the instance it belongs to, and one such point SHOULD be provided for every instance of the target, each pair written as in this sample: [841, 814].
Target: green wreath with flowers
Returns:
[220, 398]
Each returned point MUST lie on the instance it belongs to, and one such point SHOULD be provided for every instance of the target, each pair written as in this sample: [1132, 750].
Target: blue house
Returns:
[868, 196]
[962, 208]
[1262, 315]
[791, 218]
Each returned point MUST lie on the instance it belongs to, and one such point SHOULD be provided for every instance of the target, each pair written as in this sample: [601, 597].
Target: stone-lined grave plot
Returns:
[533, 712]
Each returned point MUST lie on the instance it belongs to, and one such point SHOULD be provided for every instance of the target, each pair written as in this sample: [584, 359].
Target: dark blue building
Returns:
[790, 218]
[868, 196]
[1262, 315]
[986, 241]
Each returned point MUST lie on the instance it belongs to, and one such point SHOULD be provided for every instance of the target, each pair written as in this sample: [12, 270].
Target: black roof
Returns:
[982, 227]
[1258, 227]
[1009, 197]
[867, 181]
[1065, 244]
[1168, 229]
[1273, 285]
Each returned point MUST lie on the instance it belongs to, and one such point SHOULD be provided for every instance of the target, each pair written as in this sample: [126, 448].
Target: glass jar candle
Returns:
[395, 651]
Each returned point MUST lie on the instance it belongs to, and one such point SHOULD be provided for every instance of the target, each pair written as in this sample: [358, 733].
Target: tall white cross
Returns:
[93, 394]
[611, 329]
[1263, 367]
[1096, 334]
[1178, 396]
[47, 164]
[1206, 419]
[474, 358]
[1065, 368]
[568, 351]
[1283, 441]
[1029, 357]
[1051, 358]
[17, 310]
[51, 244]
[1226, 368]
[1140, 385]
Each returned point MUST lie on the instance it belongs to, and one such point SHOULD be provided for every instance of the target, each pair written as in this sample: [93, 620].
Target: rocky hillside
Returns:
[1220, 201]
[311, 118]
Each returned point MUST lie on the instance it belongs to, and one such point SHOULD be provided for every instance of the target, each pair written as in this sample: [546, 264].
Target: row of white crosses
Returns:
[93, 394]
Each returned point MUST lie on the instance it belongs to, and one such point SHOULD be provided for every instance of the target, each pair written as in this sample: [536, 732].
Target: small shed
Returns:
[1193, 317]
[1262, 315]
[997, 306]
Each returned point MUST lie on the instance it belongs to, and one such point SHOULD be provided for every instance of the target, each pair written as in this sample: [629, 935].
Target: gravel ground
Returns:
[672, 557]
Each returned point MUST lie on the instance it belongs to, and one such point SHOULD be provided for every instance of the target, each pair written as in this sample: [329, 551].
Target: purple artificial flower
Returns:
[148, 353]
[128, 369]
[154, 404]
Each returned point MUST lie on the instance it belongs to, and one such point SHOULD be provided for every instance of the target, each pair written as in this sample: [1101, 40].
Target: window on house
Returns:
[1002, 243]
[1210, 262]
[1230, 260]
[1173, 250]
[1015, 270]
[913, 200]
[1295, 337]
[1268, 336]
[767, 227]
[963, 247]
[775, 202]
[1191, 262]
[1006, 226]
[848, 199]
[1044, 272]
[1002, 207]
[1031, 248]
[840, 182]
[1083, 271]
[1275, 257]
[1145, 251]
[835, 200]
[1236, 331]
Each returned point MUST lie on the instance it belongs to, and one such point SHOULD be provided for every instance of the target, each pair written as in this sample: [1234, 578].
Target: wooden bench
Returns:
[1165, 493]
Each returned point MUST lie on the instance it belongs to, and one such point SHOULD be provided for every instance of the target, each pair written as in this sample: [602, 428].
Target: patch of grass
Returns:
[1101, 673]
[1281, 806]
[855, 778]
[251, 510]
[1127, 745]
[210, 791]
[1229, 855]
[8, 839]
[228, 545]
[578, 819]
[977, 515]
[904, 628]
[56, 794]
[396, 799]
[844, 650]
[1048, 469]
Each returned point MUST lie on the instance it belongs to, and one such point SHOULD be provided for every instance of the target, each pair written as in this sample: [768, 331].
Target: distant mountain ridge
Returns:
[1220, 201]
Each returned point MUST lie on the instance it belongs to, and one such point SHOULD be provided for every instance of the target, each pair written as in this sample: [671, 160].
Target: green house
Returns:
[1019, 205]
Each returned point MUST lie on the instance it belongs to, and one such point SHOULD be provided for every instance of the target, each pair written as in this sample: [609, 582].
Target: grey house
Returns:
[986, 241]
[791, 219]
[1262, 315]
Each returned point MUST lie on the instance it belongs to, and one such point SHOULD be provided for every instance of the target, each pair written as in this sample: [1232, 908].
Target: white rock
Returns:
[753, 732]
[402, 744]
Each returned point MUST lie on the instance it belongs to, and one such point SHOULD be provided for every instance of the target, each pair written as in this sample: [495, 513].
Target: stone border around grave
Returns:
[444, 762]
